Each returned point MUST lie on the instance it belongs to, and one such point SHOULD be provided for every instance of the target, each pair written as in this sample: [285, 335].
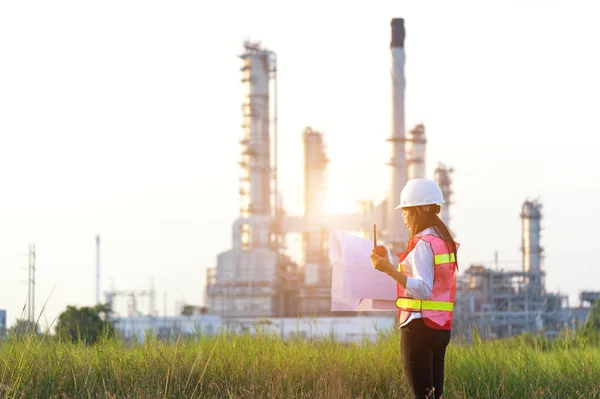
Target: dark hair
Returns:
[427, 216]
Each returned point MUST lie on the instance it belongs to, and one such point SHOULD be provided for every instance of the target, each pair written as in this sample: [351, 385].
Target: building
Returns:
[342, 329]
[136, 328]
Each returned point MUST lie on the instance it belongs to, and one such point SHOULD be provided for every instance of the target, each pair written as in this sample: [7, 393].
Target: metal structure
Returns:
[504, 303]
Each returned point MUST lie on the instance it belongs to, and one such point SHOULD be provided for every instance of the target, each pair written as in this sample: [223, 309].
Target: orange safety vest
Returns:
[437, 309]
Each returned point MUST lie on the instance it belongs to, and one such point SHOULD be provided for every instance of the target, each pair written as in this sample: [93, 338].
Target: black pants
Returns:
[423, 351]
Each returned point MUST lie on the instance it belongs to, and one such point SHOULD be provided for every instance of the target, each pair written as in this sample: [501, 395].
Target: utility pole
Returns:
[98, 270]
[31, 285]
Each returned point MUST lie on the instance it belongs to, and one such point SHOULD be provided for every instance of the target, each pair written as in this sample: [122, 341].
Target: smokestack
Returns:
[398, 33]
[97, 270]
[396, 232]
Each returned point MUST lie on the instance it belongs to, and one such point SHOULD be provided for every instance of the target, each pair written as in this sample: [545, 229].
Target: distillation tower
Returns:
[531, 216]
[245, 280]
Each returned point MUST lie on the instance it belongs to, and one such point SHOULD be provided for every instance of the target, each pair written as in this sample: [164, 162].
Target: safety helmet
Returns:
[418, 192]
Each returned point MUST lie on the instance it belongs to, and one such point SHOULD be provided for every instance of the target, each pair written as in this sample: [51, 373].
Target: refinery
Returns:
[258, 282]
[256, 278]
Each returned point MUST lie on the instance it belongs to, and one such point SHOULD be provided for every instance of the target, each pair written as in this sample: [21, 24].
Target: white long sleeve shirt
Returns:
[420, 260]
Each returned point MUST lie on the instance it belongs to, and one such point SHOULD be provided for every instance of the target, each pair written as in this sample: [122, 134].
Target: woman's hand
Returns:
[381, 263]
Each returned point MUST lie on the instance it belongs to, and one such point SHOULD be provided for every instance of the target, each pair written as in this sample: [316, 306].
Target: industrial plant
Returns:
[502, 303]
[258, 281]
[256, 278]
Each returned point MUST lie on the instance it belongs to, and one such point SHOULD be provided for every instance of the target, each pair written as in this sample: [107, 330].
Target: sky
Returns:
[122, 118]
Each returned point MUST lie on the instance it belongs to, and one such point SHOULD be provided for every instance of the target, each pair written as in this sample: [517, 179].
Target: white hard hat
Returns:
[419, 192]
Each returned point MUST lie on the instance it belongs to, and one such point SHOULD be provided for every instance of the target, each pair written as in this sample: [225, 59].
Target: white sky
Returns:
[123, 118]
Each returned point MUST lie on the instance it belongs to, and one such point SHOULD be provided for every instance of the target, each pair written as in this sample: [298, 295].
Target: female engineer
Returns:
[426, 280]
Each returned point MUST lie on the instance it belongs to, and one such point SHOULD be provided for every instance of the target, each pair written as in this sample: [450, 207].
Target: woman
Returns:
[426, 286]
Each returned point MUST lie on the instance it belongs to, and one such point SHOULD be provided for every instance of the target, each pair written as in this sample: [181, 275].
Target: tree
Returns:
[84, 324]
[23, 327]
[593, 319]
[193, 310]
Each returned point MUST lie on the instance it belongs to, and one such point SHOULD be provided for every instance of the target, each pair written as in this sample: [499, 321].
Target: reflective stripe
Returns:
[423, 304]
[444, 258]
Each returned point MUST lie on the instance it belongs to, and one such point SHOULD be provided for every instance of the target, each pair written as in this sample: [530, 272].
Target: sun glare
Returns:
[338, 205]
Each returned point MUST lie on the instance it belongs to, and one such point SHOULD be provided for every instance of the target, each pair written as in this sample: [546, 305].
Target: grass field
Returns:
[263, 366]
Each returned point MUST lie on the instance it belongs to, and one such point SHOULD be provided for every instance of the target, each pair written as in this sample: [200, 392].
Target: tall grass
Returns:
[263, 366]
